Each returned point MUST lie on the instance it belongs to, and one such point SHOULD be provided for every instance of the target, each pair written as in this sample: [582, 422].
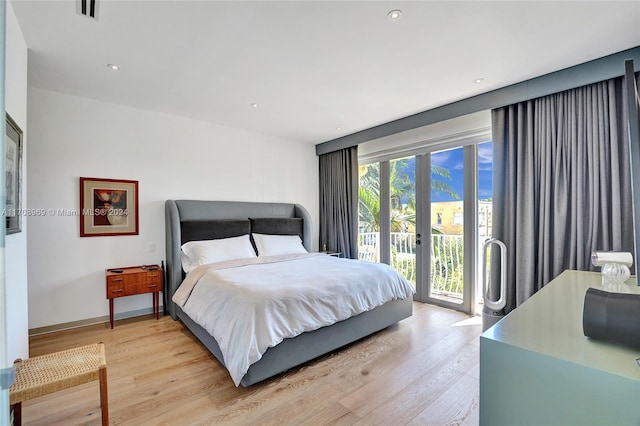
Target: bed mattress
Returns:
[249, 305]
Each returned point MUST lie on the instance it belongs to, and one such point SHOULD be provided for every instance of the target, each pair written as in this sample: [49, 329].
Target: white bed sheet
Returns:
[251, 305]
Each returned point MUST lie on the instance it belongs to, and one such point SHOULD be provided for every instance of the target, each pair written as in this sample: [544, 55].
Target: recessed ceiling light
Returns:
[338, 128]
[478, 80]
[254, 105]
[394, 15]
[113, 67]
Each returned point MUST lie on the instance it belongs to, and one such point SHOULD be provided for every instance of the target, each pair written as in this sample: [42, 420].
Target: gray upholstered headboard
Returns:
[178, 211]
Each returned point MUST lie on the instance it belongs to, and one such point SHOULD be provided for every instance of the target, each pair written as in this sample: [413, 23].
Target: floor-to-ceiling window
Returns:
[402, 217]
[387, 215]
[446, 203]
[427, 215]
[369, 212]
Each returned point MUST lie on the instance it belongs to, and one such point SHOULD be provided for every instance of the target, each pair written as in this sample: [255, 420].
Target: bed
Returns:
[197, 220]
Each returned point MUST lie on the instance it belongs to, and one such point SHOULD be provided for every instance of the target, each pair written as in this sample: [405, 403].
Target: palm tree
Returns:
[439, 185]
[402, 194]
[403, 215]
[369, 198]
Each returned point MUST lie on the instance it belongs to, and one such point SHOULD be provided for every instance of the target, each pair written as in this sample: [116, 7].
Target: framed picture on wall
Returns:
[13, 177]
[108, 207]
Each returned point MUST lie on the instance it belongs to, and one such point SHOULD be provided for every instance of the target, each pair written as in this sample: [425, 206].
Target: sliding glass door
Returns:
[446, 204]
[387, 215]
[402, 218]
[423, 216]
[447, 256]
[369, 212]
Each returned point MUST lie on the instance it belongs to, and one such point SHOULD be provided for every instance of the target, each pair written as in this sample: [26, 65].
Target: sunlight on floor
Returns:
[474, 320]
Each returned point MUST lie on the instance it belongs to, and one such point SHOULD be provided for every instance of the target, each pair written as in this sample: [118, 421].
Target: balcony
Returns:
[446, 255]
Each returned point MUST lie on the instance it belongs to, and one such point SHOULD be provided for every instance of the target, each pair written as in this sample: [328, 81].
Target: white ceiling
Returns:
[311, 66]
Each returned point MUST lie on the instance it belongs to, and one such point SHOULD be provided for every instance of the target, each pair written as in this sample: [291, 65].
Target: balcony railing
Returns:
[446, 259]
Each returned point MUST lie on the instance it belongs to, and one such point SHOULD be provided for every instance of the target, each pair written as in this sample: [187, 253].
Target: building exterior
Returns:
[447, 217]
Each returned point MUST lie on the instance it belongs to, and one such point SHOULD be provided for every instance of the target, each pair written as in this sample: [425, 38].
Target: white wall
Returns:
[171, 157]
[16, 244]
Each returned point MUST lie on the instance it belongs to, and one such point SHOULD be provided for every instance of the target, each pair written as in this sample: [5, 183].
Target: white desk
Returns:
[538, 368]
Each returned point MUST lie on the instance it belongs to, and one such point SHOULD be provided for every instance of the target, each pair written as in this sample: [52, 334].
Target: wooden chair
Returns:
[49, 373]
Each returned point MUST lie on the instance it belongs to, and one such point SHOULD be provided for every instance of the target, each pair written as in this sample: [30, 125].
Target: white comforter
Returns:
[250, 305]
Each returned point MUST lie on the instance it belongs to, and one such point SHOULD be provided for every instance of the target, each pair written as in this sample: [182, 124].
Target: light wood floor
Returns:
[422, 371]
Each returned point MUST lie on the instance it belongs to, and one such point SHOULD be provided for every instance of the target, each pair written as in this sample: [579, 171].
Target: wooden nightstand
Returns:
[134, 280]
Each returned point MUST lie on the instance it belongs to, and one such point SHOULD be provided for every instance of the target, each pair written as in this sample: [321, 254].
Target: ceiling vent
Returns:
[88, 8]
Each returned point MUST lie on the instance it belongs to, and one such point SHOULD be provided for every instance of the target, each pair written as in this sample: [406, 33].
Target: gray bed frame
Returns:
[291, 352]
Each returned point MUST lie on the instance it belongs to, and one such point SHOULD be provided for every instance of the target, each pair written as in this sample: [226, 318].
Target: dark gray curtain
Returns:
[339, 201]
[562, 184]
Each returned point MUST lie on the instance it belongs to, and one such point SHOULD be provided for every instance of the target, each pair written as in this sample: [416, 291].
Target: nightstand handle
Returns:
[153, 286]
[117, 291]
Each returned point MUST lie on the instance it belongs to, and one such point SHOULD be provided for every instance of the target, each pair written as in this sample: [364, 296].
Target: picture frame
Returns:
[13, 177]
[108, 207]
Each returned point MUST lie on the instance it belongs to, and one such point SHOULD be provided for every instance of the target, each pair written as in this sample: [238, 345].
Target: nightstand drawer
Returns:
[126, 279]
[150, 286]
[154, 277]
[118, 289]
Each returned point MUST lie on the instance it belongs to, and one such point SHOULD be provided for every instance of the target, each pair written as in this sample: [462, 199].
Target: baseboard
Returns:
[91, 321]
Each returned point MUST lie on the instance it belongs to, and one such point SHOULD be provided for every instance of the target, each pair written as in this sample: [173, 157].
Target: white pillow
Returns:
[274, 245]
[197, 253]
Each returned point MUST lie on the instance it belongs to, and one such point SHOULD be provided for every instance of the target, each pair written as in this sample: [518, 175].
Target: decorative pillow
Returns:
[197, 253]
[273, 245]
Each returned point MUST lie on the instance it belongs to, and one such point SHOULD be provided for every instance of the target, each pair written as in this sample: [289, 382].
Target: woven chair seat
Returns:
[42, 375]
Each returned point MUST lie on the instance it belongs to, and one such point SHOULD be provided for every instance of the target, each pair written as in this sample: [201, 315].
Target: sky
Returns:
[452, 161]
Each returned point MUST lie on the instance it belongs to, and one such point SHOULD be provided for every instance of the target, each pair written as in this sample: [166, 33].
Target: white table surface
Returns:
[550, 323]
